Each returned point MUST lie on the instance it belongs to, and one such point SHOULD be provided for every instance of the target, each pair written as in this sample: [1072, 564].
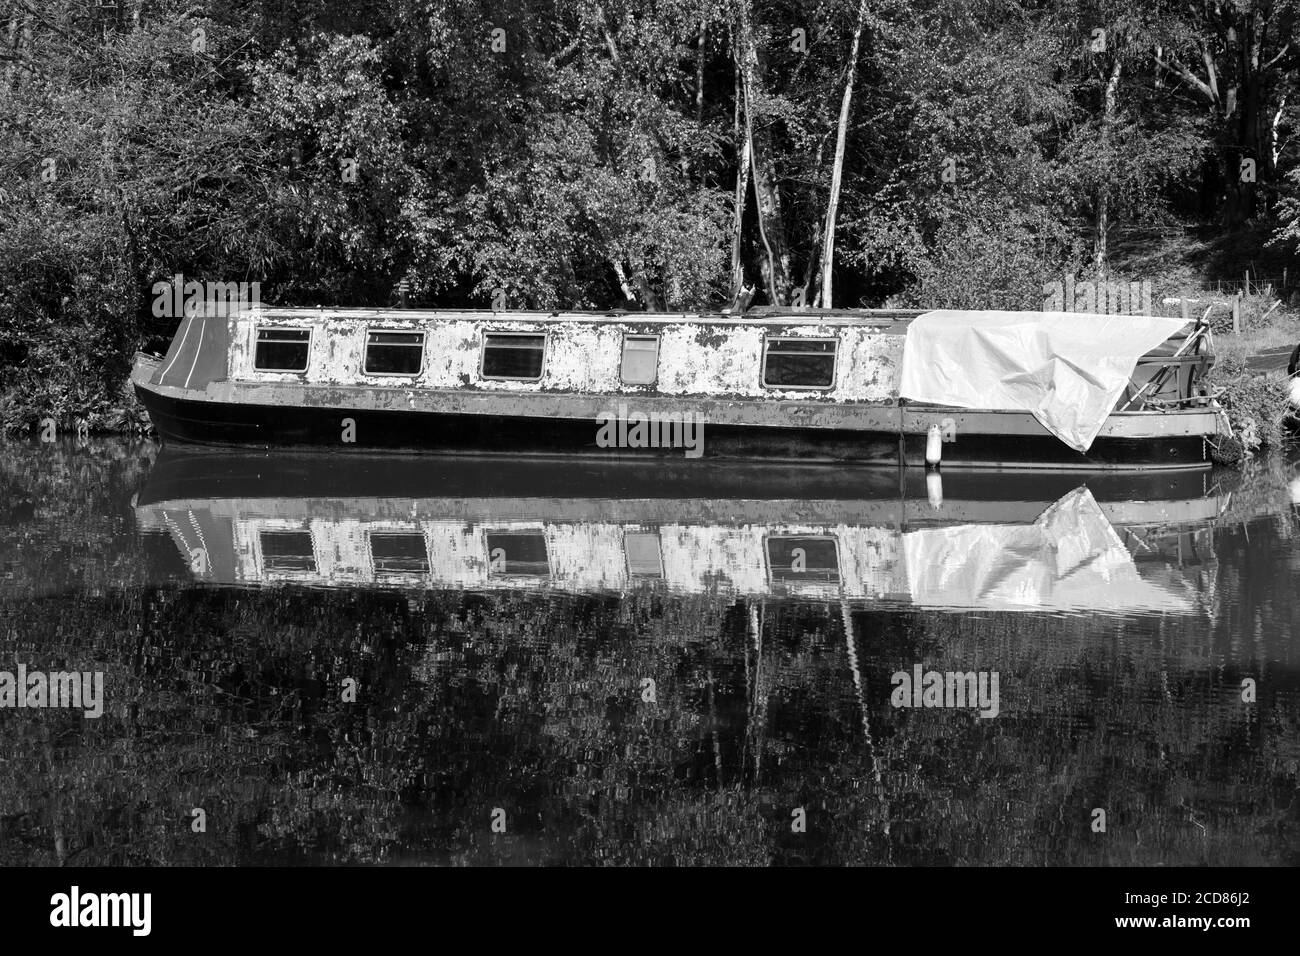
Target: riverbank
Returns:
[1251, 381]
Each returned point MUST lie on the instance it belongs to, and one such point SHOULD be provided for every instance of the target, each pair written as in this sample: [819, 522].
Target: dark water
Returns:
[641, 665]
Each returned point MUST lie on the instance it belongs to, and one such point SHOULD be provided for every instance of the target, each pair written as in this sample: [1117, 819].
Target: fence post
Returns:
[1236, 314]
[1183, 303]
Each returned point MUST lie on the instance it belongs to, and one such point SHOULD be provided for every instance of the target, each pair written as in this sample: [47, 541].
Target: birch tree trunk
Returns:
[1102, 225]
[742, 194]
[623, 284]
[771, 224]
[825, 296]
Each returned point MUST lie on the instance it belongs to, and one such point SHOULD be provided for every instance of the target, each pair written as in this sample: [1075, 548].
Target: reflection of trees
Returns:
[64, 514]
[230, 700]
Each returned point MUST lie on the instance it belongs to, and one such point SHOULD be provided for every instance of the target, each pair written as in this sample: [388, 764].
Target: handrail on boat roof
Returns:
[763, 314]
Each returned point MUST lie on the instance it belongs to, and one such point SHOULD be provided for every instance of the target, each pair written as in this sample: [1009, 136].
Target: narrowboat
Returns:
[959, 389]
[861, 536]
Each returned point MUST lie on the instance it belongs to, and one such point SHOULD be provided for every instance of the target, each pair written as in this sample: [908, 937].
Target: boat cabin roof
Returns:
[766, 315]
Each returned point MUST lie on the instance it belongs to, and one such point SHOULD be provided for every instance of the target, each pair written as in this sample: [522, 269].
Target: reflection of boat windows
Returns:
[803, 559]
[799, 363]
[282, 350]
[513, 355]
[518, 553]
[643, 557]
[640, 359]
[287, 551]
[399, 553]
[394, 353]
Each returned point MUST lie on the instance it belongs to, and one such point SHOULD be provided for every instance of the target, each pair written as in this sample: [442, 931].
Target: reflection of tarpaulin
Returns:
[1067, 368]
[1069, 559]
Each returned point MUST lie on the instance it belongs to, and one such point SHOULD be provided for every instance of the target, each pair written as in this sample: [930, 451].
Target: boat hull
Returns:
[983, 440]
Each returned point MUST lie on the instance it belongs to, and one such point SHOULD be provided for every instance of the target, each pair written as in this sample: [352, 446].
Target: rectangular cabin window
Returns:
[799, 363]
[803, 559]
[515, 356]
[282, 350]
[518, 553]
[640, 359]
[644, 559]
[287, 551]
[394, 353]
[399, 553]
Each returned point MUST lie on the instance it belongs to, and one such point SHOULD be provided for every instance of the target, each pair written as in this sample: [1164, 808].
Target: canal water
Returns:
[341, 659]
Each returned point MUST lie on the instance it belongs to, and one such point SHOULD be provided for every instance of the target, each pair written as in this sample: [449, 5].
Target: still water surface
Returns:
[351, 659]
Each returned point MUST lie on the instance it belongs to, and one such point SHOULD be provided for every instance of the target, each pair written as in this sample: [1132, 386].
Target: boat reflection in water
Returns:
[1007, 541]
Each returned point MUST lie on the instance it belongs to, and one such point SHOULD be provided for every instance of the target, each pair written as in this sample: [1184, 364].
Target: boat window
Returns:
[799, 363]
[643, 556]
[282, 350]
[399, 553]
[640, 359]
[803, 559]
[518, 553]
[287, 551]
[513, 355]
[394, 353]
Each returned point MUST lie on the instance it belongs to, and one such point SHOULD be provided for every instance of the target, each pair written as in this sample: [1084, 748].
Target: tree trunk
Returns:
[649, 298]
[699, 77]
[1102, 225]
[699, 92]
[824, 297]
[767, 194]
[1275, 143]
[741, 197]
[623, 284]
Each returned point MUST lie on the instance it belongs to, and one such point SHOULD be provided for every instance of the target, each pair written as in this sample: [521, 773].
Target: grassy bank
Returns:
[1255, 400]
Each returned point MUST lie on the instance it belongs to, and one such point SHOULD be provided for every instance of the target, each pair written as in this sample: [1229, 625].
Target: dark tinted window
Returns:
[287, 551]
[518, 553]
[399, 553]
[282, 350]
[394, 353]
[800, 363]
[513, 356]
[803, 559]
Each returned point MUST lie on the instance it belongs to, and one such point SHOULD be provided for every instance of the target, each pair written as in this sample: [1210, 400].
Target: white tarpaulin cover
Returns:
[1067, 368]
[1070, 559]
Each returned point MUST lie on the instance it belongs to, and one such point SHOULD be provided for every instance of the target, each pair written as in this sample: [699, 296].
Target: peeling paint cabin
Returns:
[794, 385]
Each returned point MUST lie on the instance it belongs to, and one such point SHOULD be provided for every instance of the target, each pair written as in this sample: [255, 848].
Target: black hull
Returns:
[260, 426]
[192, 472]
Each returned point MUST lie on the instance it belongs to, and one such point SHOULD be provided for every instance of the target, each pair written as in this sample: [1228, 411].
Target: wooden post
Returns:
[1236, 314]
[1183, 303]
